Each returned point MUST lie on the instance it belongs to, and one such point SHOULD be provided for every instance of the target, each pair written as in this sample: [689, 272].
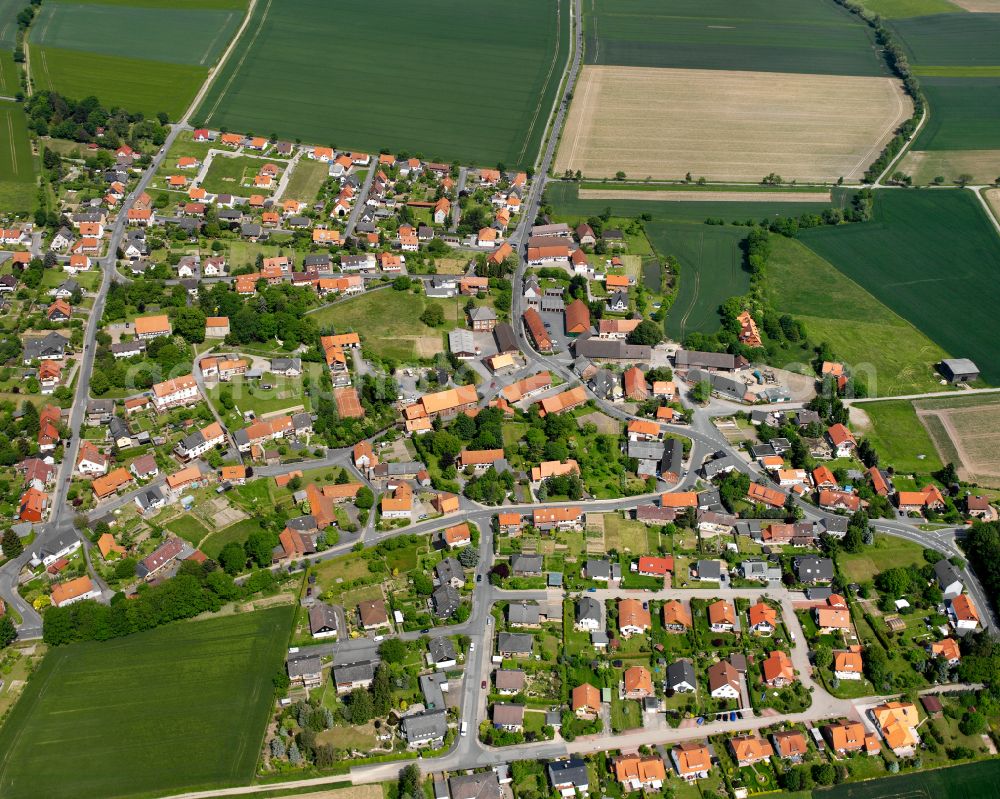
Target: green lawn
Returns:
[932, 257]
[230, 175]
[188, 528]
[238, 532]
[452, 51]
[17, 167]
[388, 322]
[900, 437]
[712, 271]
[172, 709]
[307, 179]
[892, 354]
[134, 83]
[625, 535]
[758, 35]
[887, 552]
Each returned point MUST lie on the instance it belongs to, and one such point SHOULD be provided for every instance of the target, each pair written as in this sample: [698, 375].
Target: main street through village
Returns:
[467, 751]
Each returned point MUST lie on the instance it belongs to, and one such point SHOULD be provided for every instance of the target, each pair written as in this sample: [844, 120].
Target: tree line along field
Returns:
[892, 354]
[17, 164]
[930, 256]
[182, 706]
[755, 35]
[564, 197]
[712, 271]
[145, 55]
[732, 125]
[468, 82]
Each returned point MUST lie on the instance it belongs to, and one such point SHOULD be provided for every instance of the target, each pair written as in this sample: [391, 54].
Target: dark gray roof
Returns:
[673, 457]
[598, 569]
[427, 726]
[598, 349]
[523, 613]
[709, 569]
[304, 666]
[528, 564]
[483, 785]
[520, 643]
[354, 672]
[589, 608]
[446, 600]
[449, 569]
[707, 360]
[442, 650]
[946, 573]
[809, 569]
[681, 671]
[572, 772]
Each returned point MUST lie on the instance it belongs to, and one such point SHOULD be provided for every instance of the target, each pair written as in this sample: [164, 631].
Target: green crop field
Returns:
[132, 83]
[179, 707]
[567, 206]
[890, 9]
[965, 113]
[10, 83]
[171, 35]
[900, 437]
[755, 35]
[17, 166]
[712, 271]
[8, 22]
[950, 39]
[147, 55]
[468, 81]
[932, 257]
[892, 354]
[973, 781]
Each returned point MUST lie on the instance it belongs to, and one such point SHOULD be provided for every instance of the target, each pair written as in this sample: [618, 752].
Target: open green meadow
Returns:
[567, 205]
[965, 113]
[180, 707]
[388, 322]
[932, 257]
[132, 83]
[17, 165]
[712, 271]
[895, 357]
[900, 437]
[165, 34]
[229, 175]
[469, 81]
[754, 35]
[307, 179]
[178, 4]
[974, 781]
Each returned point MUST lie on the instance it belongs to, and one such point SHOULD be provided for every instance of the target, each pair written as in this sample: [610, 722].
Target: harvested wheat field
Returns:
[727, 125]
[705, 196]
[993, 199]
[970, 433]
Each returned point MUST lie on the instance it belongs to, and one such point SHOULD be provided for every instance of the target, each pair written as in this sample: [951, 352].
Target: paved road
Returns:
[359, 199]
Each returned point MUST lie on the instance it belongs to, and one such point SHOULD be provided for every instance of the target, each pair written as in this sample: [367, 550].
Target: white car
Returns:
[472, 647]
[465, 728]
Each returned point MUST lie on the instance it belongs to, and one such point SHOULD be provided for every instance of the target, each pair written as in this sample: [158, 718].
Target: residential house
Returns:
[723, 680]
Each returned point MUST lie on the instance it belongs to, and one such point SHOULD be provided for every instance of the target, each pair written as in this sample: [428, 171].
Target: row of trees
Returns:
[197, 588]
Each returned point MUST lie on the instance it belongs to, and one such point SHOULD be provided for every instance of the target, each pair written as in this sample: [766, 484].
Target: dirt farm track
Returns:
[725, 125]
